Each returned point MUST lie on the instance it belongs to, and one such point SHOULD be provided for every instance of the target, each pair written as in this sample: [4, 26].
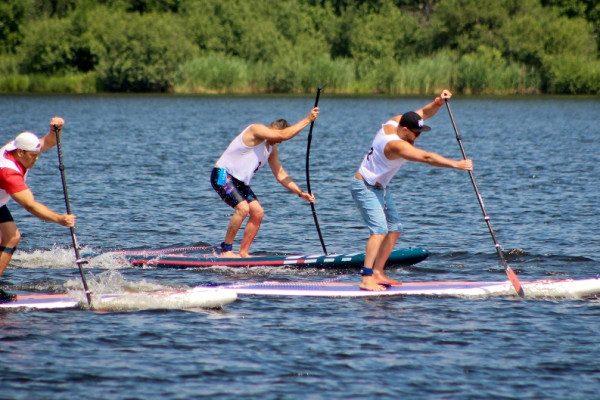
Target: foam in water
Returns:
[61, 258]
[142, 295]
[113, 282]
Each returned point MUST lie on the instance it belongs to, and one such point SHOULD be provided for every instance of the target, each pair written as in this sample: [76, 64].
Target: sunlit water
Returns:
[138, 177]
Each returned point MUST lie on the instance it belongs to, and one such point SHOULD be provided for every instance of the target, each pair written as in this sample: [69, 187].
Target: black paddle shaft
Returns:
[78, 260]
[512, 276]
[308, 174]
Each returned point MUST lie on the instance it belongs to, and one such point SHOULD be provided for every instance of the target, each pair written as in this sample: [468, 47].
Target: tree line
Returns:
[292, 46]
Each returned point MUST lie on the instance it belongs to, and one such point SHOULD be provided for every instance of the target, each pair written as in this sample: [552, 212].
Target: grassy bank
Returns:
[482, 73]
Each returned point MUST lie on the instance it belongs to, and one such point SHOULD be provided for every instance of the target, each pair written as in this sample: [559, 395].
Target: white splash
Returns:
[111, 292]
[60, 258]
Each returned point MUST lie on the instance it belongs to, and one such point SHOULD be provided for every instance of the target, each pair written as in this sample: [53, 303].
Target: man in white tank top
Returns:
[231, 176]
[392, 147]
[16, 158]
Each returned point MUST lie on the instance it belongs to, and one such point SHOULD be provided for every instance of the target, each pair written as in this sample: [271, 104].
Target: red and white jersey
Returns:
[376, 167]
[242, 161]
[12, 176]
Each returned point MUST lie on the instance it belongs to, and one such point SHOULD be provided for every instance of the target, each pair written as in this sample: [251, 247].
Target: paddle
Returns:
[509, 272]
[78, 260]
[308, 174]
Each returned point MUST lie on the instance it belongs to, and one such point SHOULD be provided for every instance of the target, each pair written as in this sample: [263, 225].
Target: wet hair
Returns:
[279, 124]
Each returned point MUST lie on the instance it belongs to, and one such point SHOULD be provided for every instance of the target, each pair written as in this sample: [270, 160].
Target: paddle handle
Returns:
[509, 272]
[312, 206]
[312, 124]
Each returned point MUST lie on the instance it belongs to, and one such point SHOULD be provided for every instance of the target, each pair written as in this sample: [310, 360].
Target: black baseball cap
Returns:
[414, 122]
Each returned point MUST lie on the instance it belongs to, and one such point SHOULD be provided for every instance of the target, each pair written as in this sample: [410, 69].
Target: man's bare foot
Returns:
[244, 255]
[229, 254]
[384, 279]
[369, 283]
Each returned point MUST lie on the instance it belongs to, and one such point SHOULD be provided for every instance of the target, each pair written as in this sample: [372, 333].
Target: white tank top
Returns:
[376, 167]
[6, 163]
[242, 161]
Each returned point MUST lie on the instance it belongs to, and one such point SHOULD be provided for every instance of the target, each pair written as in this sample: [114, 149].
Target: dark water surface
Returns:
[138, 174]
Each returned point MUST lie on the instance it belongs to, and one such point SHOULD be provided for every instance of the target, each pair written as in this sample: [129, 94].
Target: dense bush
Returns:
[565, 74]
[292, 46]
[336, 75]
[139, 53]
[213, 73]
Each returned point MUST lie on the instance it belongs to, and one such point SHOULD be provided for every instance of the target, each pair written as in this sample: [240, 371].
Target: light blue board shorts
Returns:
[376, 207]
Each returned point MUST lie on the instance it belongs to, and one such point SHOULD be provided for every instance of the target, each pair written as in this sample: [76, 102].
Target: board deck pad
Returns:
[540, 289]
[154, 258]
[200, 297]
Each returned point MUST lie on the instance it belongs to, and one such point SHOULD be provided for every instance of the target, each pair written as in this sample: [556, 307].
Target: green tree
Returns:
[376, 36]
[464, 25]
[387, 46]
[52, 8]
[140, 53]
[529, 36]
[145, 6]
[11, 18]
[46, 48]
[587, 9]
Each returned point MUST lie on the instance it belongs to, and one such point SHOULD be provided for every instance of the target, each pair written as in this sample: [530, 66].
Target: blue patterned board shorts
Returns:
[230, 189]
[376, 207]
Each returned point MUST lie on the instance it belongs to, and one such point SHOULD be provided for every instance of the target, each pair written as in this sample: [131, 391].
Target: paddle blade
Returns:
[514, 280]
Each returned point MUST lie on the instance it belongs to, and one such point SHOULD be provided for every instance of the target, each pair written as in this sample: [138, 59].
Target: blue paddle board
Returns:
[173, 259]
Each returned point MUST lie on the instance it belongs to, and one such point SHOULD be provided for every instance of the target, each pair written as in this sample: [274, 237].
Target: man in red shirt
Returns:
[16, 158]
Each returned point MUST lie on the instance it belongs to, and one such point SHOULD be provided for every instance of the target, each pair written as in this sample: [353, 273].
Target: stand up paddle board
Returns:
[200, 297]
[538, 289]
[158, 259]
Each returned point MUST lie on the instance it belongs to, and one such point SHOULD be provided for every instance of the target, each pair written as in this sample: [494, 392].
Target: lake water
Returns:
[138, 171]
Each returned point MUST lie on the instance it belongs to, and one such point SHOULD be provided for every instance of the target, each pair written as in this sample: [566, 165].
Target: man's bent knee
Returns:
[11, 240]
[257, 214]
[256, 210]
[242, 209]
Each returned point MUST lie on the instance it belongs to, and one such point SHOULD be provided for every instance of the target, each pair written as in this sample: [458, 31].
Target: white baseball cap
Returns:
[27, 141]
